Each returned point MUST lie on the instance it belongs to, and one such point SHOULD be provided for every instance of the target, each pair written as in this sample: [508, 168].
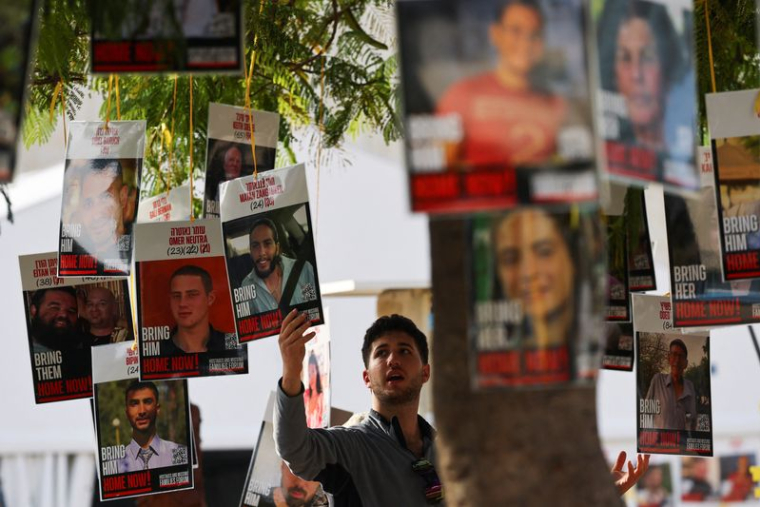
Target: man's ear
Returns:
[32, 310]
[123, 194]
[211, 297]
[365, 376]
[425, 373]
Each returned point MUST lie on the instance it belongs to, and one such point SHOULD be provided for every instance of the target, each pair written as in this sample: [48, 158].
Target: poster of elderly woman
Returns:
[647, 97]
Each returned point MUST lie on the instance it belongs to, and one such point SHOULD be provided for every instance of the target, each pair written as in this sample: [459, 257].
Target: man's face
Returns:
[533, 263]
[638, 72]
[233, 162]
[101, 308]
[297, 492]
[518, 39]
[189, 301]
[56, 315]
[104, 199]
[395, 372]
[264, 250]
[142, 410]
[677, 360]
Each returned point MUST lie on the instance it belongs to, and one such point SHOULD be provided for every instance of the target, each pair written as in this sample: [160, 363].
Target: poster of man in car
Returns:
[266, 224]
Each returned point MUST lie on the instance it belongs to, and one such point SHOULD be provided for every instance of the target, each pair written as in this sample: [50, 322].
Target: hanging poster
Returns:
[269, 245]
[699, 294]
[736, 482]
[674, 400]
[196, 36]
[618, 348]
[143, 429]
[64, 318]
[618, 293]
[270, 483]
[185, 320]
[170, 206]
[17, 19]
[497, 103]
[316, 377]
[100, 186]
[735, 134]
[641, 274]
[700, 480]
[647, 98]
[228, 150]
[655, 488]
[537, 295]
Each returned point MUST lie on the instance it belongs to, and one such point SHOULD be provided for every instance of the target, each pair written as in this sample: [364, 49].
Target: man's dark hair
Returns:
[313, 360]
[388, 324]
[138, 385]
[193, 270]
[268, 223]
[40, 294]
[107, 165]
[679, 343]
[530, 4]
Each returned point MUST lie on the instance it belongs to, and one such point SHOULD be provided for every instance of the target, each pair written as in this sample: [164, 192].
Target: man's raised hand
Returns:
[292, 343]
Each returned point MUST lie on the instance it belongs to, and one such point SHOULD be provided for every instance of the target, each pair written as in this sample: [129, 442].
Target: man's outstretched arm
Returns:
[307, 451]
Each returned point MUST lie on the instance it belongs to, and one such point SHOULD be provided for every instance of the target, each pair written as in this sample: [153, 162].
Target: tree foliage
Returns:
[323, 63]
[734, 39]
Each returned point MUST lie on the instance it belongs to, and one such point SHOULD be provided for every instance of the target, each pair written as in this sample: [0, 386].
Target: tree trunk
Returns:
[504, 447]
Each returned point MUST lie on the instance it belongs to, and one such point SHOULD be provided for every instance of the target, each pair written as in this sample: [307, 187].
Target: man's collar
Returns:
[393, 428]
[156, 444]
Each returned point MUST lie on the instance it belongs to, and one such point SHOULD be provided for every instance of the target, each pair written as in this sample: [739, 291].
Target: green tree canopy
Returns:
[318, 62]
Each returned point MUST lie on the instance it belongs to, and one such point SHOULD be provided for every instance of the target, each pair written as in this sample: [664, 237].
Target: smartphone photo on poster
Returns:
[269, 243]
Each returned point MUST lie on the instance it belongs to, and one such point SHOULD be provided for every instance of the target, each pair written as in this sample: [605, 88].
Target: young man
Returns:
[390, 456]
[147, 450]
[271, 271]
[192, 294]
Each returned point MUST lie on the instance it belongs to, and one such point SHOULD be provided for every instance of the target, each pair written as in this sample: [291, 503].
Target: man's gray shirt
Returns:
[372, 452]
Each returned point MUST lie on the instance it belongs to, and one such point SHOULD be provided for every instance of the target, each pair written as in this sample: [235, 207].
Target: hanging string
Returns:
[170, 143]
[118, 98]
[321, 126]
[108, 104]
[133, 303]
[192, 215]
[248, 79]
[709, 47]
[59, 91]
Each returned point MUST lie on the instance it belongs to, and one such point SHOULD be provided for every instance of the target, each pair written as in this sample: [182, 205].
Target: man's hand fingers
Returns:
[620, 462]
[294, 321]
[297, 334]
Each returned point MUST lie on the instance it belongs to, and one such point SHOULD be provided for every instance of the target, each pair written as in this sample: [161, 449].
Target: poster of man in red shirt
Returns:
[497, 103]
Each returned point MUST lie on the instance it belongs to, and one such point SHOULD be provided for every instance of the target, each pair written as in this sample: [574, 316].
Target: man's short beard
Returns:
[297, 502]
[272, 266]
[404, 397]
[54, 338]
